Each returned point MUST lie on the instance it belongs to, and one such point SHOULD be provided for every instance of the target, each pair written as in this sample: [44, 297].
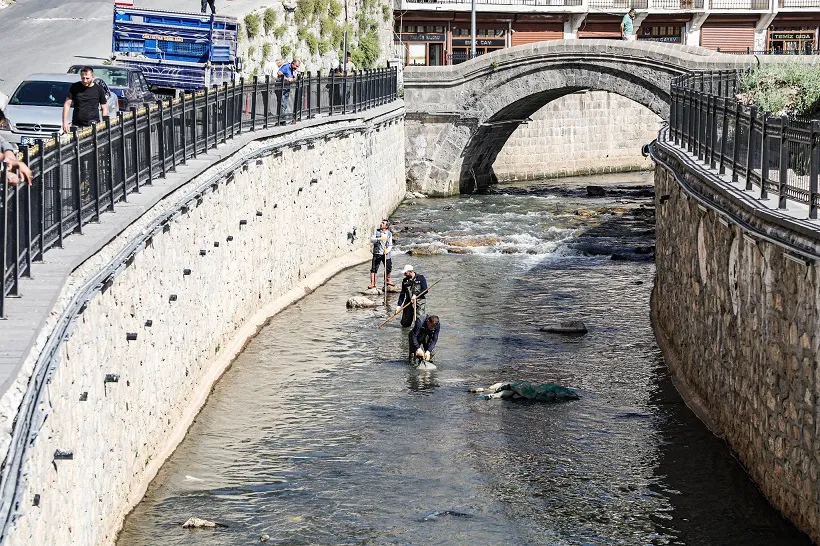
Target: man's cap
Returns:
[407, 268]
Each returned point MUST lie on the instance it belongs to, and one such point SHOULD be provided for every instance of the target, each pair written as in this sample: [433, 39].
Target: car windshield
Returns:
[113, 77]
[41, 93]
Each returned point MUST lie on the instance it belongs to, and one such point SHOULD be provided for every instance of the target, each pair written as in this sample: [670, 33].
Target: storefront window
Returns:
[661, 33]
[417, 54]
[792, 40]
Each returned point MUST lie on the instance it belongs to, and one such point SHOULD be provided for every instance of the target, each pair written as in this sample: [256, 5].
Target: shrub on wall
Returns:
[334, 8]
[252, 25]
[269, 20]
[279, 31]
[792, 89]
[367, 52]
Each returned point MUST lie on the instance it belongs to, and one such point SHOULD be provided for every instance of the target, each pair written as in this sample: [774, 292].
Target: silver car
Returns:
[35, 109]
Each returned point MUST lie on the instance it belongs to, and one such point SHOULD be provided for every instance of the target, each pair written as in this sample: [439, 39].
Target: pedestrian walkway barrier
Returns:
[78, 177]
[774, 155]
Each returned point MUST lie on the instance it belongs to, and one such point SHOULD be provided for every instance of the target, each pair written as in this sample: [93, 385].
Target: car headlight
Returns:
[5, 125]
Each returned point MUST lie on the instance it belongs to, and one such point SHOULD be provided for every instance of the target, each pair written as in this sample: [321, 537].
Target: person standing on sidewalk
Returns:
[627, 26]
[206, 3]
[87, 98]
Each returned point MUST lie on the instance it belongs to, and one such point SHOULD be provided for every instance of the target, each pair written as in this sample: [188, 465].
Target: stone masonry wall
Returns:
[738, 324]
[581, 133]
[299, 204]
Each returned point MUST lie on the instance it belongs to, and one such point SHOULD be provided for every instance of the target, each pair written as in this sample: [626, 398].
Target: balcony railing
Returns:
[79, 177]
[535, 3]
[776, 156]
[739, 4]
[799, 4]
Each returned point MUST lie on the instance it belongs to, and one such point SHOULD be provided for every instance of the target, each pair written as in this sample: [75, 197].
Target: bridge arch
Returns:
[460, 117]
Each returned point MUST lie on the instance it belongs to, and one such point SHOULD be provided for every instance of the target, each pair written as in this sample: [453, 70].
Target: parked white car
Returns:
[35, 109]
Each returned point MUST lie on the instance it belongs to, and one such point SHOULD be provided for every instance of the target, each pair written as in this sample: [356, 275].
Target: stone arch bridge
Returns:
[459, 117]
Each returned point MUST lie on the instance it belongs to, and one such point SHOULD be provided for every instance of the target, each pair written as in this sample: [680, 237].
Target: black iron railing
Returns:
[80, 176]
[774, 154]
[807, 49]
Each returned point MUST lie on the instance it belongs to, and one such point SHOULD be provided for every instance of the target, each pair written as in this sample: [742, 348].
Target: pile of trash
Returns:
[524, 390]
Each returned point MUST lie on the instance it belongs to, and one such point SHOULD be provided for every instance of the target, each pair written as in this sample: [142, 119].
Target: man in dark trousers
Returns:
[206, 3]
[412, 285]
[87, 98]
[424, 336]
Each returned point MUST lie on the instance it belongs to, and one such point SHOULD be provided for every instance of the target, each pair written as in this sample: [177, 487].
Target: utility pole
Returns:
[472, 30]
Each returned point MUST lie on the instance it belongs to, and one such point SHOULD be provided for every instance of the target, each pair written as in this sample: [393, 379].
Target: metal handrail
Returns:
[80, 176]
[776, 155]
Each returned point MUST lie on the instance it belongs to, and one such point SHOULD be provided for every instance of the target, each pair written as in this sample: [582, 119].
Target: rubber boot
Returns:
[388, 281]
[372, 281]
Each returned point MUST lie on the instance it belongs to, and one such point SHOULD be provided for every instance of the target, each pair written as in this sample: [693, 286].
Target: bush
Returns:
[334, 8]
[279, 31]
[252, 25]
[326, 27]
[304, 9]
[792, 89]
[251, 51]
[269, 20]
[312, 43]
[387, 13]
[366, 54]
[324, 47]
[286, 51]
[266, 49]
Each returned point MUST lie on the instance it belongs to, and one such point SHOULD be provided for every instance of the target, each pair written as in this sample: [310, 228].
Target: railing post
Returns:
[266, 102]
[183, 133]
[814, 167]
[195, 136]
[76, 183]
[206, 118]
[225, 113]
[95, 136]
[241, 106]
[783, 179]
[123, 170]
[15, 248]
[282, 101]
[713, 133]
[735, 147]
[161, 135]
[215, 117]
[4, 237]
[253, 103]
[24, 149]
[319, 92]
[764, 153]
[332, 98]
[173, 134]
[110, 177]
[309, 88]
[137, 168]
[344, 91]
[750, 154]
[150, 143]
[724, 135]
[41, 228]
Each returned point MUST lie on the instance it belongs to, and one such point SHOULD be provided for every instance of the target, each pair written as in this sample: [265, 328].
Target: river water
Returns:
[321, 433]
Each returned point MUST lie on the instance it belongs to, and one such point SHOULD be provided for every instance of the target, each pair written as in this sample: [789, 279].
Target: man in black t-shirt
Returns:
[87, 99]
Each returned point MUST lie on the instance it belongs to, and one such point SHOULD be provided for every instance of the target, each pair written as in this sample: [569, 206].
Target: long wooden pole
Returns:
[397, 313]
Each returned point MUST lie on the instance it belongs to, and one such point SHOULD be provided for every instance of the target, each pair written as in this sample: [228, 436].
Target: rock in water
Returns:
[196, 523]
[360, 302]
[393, 289]
[371, 292]
[572, 327]
[595, 191]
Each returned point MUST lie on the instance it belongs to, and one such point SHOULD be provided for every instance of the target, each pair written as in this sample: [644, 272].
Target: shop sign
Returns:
[665, 39]
[421, 37]
[480, 43]
[791, 35]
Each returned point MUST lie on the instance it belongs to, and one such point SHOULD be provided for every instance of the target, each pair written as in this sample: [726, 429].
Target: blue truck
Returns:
[177, 51]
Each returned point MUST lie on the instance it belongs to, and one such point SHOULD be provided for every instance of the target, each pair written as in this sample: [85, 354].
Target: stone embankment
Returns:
[285, 214]
[736, 310]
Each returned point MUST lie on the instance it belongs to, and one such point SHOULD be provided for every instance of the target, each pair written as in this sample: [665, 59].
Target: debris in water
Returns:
[572, 327]
[196, 523]
[524, 390]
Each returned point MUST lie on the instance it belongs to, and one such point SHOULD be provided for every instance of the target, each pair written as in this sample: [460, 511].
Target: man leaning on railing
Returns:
[12, 163]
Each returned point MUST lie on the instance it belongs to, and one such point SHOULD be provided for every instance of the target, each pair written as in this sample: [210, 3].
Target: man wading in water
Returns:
[412, 285]
[382, 247]
[424, 336]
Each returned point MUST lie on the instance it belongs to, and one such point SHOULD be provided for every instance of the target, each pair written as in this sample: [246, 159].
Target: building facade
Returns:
[437, 32]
